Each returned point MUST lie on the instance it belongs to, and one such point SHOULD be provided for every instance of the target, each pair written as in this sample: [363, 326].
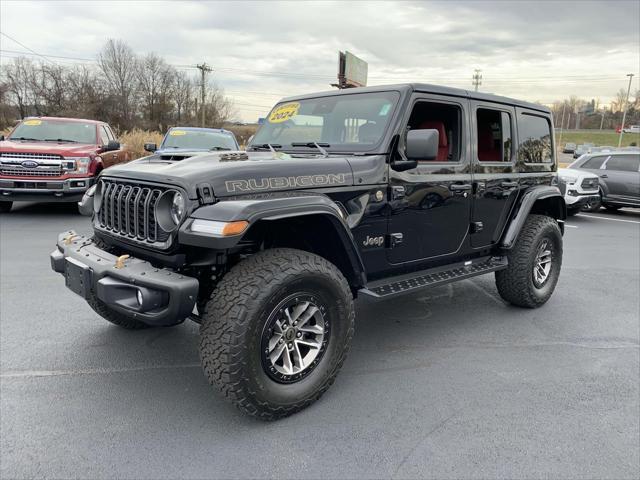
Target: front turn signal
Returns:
[222, 229]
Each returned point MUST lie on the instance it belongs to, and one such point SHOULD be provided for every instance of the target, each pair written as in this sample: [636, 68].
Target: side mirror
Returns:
[112, 145]
[422, 144]
[150, 147]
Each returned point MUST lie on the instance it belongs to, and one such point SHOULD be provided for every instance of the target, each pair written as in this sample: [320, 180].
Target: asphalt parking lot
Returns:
[444, 383]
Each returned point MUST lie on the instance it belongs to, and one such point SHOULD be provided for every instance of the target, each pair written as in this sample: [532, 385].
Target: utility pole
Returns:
[204, 69]
[477, 78]
[564, 107]
[601, 120]
[624, 114]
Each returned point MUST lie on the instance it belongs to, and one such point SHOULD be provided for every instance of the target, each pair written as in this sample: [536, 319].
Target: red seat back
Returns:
[443, 144]
[487, 151]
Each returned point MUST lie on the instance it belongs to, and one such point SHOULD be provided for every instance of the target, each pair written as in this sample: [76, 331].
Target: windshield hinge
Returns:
[205, 193]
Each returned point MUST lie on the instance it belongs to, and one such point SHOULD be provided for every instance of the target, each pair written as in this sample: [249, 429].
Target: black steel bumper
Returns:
[133, 287]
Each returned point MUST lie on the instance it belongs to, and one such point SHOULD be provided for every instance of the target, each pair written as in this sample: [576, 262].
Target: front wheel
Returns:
[276, 331]
[534, 264]
[5, 207]
[612, 208]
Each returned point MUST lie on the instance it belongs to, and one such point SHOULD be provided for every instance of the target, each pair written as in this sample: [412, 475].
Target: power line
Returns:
[25, 47]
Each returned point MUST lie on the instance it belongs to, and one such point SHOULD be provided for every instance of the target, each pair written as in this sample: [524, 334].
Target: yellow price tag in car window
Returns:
[284, 112]
[32, 122]
[177, 133]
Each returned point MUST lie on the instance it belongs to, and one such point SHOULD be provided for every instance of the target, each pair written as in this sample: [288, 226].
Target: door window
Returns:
[594, 163]
[110, 134]
[446, 119]
[534, 133]
[104, 138]
[623, 163]
[493, 134]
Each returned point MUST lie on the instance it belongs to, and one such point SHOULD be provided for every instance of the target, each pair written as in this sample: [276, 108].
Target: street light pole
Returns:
[564, 106]
[624, 112]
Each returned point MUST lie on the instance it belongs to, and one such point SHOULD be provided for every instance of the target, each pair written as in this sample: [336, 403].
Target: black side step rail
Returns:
[392, 286]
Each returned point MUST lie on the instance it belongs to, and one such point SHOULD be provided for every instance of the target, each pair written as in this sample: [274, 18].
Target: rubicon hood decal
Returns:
[278, 183]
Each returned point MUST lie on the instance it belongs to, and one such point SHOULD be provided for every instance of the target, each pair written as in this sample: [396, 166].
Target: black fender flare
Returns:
[548, 193]
[268, 207]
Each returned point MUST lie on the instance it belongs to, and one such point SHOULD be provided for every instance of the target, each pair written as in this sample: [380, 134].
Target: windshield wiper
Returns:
[25, 138]
[66, 140]
[312, 145]
[264, 146]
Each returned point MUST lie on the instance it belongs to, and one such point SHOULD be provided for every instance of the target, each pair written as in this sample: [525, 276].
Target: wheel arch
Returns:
[312, 223]
[542, 200]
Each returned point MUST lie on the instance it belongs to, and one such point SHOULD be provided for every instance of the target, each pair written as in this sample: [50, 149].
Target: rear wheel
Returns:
[276, 331]
[534, 264]
[5, 207]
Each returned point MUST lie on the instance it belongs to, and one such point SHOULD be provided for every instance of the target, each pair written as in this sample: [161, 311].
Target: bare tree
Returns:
[182, 93]
[156, 80]
[218, 107]
[118, 64]
[17, 75]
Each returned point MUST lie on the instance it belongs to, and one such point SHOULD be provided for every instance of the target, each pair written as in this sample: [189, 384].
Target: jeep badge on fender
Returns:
[371, 192]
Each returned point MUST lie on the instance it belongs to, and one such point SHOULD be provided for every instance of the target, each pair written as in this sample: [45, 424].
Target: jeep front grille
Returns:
[129, 211]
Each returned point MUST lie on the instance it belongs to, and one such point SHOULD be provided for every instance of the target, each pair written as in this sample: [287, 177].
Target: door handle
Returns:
[604, 175]
[459, 187]
[509, 184]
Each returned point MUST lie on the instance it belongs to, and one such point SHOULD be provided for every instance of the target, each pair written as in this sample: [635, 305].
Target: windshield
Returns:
[199, 140]
[55, 131]
[354, 122]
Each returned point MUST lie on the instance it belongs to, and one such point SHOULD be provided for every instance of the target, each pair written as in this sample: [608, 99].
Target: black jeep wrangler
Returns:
[369, 192]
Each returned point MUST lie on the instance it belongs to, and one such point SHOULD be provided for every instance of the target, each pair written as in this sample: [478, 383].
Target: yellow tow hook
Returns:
[120, 261]
[69, 238]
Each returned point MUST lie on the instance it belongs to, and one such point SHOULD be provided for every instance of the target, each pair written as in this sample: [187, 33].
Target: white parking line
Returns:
[606, 218]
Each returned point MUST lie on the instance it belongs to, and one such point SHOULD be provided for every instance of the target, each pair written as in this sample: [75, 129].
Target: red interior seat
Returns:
[443, 144]
[487, 151]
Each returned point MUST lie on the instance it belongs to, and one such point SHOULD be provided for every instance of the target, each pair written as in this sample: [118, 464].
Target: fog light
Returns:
[139, 297]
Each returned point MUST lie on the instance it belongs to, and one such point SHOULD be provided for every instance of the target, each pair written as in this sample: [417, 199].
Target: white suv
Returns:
[581, 189]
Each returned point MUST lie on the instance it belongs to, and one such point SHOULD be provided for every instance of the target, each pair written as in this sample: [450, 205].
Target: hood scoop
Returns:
[174, 157]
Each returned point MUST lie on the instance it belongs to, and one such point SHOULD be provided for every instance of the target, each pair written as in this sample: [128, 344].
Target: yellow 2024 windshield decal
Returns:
[32, 122]
[284, 112]
[177, 133]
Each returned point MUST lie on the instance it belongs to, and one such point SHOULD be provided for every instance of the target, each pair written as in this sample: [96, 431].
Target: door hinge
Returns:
[476, 227]
[394, 239]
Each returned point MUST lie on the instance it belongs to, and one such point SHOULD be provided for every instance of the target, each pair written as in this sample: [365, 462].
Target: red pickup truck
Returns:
[47, 159]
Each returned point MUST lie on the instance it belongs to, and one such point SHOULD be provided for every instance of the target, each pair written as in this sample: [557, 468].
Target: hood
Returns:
[237, 173]
[55, 148]
[571, 172]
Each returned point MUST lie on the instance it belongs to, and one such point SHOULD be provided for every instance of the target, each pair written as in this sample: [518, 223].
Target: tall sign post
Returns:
[352, 71]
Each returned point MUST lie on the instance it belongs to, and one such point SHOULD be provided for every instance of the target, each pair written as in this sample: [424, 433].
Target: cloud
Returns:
[533, 50]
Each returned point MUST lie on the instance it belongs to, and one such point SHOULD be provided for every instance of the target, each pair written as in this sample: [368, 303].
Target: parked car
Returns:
[371, 192]
[582, 149]
[581, 190]
[569, 148]
[632, 129]
[619, 177]
[46, 159]
[182, 142]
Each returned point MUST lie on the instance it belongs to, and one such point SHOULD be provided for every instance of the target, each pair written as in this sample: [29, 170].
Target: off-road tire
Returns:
[516, 283]
[108, 313]
[5, 207]
[235, 317]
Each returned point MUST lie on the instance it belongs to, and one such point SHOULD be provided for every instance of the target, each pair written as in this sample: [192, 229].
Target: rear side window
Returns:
[594, 163]
[623, 163]
[534, 133]
[493, 135]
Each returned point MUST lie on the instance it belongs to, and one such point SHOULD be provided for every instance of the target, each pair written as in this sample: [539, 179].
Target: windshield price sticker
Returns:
[32, 122]
[177, 133]
[284, 113]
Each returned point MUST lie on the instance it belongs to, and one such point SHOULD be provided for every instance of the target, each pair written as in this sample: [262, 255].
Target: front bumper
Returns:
[44, 190]
[156, 296]
[575, 199]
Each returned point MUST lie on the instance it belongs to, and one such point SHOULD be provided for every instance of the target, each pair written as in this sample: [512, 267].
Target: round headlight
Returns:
[177, 208]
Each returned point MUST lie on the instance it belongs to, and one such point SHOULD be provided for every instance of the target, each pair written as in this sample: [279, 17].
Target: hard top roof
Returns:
[427, 88]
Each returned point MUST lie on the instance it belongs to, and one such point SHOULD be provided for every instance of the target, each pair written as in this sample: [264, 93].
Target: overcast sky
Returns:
[261, 51]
